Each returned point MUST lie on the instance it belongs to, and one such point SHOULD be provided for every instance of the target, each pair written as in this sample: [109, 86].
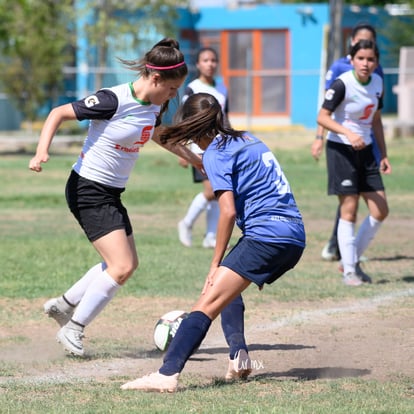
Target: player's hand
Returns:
[385, 166]
[317, 148]
[209, 280]
[356, 141]
[35, 163]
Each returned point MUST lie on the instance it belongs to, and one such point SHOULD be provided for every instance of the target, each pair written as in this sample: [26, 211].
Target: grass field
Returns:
[43, 251]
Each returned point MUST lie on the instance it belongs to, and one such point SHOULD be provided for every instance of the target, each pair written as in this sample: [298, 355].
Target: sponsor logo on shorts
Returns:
[346, 183]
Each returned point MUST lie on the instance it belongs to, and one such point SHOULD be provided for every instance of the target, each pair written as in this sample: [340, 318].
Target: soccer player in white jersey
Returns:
[122, 119]
[252, 192]
[362, 31]
[207, 64]
[355, 101]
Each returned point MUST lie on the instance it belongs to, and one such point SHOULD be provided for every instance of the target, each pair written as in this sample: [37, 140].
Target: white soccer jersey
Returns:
[353, 105]
[120, 125]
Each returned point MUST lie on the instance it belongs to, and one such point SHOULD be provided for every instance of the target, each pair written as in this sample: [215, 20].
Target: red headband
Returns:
[164, 67]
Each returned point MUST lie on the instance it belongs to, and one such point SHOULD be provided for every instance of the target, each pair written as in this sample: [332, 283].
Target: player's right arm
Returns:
[53, 121]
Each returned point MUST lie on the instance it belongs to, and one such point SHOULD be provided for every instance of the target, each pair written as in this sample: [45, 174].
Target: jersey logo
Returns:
[145, 135]
[367, 112]
[329, 94]
[91, 101]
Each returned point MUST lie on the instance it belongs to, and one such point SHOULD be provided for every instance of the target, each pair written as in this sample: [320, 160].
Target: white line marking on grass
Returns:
[357, 306]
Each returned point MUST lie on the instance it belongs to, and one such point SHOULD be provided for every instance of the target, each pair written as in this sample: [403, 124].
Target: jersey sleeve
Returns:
[219, 169]
[334, 95]
[333, 72]
[102, 105]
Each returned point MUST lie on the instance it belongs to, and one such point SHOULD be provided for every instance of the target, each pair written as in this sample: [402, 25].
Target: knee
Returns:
[383, 213]
[124, 271]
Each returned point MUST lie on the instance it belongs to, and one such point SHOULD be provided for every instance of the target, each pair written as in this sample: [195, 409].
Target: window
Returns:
[255, 68]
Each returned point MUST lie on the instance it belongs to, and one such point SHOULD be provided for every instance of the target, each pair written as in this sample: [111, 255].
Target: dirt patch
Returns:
[370, 338]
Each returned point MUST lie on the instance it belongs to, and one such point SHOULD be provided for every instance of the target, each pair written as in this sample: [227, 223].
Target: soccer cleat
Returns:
[71, 339]
[351, 279]
[240, 367]
[155, 382]
[184, 234]
[209, 241]
[361, 274]
[330, 253]
[59, 310]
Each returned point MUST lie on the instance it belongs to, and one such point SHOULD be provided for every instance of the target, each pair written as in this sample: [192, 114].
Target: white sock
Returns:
[197, 206]
[74, 294]
[346, 243]
[212, 213]
[366, 233]
[96, 297]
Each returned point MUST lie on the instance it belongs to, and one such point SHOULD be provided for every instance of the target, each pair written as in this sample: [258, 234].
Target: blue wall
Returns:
[306, 37]
[307, 48]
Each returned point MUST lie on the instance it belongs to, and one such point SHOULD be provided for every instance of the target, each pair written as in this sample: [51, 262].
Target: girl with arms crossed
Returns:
[253, 192]
[123, 119]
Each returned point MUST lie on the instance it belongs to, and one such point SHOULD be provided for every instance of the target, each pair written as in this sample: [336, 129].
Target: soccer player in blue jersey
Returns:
[362, 31]
[252, 192]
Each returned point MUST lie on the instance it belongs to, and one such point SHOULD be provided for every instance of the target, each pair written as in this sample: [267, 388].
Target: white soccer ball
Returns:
[166, 328]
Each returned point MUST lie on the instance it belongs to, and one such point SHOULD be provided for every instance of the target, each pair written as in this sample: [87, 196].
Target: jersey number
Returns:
[281, 183]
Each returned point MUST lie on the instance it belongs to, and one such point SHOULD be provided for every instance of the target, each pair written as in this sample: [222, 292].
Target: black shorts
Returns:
[262, 262]
[97, 207]
[351, 171]
[198, 176]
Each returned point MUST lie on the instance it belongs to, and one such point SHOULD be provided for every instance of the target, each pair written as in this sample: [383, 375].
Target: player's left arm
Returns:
[378, 132]
[225, 225]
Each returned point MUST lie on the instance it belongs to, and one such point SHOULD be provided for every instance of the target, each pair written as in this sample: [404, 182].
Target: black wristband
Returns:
[319, 137]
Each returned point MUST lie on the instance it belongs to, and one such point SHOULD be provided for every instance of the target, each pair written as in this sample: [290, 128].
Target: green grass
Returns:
[43, 251]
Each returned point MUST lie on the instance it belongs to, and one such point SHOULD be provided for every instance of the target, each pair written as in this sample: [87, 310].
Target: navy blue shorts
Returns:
[351, 171]
[97, 207]
[262, 262]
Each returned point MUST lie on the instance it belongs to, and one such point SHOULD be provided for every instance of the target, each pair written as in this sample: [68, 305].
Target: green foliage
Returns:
[399, 32]
[34, 45]
[131, 24]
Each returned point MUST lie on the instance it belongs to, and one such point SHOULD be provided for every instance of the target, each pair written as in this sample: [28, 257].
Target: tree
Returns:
[129, 22]
[34, 40]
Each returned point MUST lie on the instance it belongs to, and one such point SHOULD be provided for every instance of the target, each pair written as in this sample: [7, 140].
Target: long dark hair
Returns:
[164, 58]
[200, 115]
[364, 44]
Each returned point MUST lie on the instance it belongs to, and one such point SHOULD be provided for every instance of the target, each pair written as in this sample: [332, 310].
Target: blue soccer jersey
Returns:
[265, 206]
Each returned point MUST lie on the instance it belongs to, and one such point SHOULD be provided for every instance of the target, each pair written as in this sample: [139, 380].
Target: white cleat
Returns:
[154, 382]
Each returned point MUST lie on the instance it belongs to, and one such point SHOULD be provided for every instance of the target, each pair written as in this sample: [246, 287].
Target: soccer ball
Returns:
[166, 328]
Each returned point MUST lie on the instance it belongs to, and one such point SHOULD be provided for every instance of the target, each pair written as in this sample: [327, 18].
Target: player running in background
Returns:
[355, 101]
[206, 63]
[123, 119]
[252, 192]
[362, 31]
